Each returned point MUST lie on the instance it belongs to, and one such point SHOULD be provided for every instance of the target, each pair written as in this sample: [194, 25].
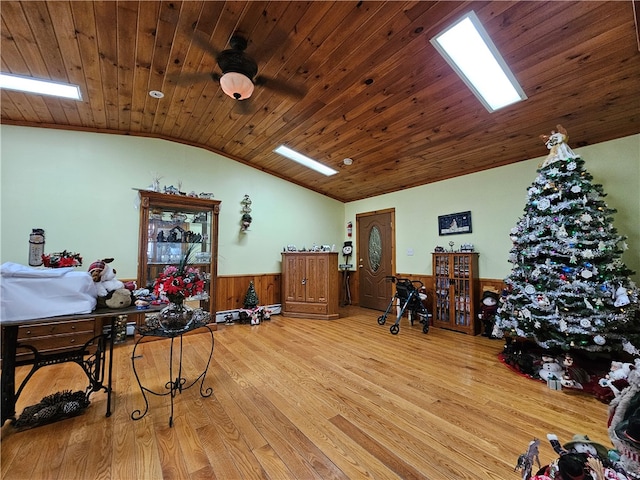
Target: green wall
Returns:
[79, 187]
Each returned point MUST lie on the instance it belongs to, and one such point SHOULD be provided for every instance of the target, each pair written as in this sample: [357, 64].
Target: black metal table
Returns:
[179, 383]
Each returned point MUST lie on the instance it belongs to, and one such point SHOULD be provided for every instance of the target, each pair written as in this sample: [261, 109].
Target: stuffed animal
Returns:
[617, 371]
[551, 369]
[624, 424]
[104, 276]
[119, 298]
[488, 310]
[574, 376]
[578, 457]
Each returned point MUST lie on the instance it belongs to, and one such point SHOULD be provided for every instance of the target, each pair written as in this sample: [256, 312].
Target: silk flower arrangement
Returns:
[177, 283]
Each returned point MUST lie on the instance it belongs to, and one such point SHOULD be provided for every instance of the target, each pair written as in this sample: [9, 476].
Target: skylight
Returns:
[44, 87]
[304, 160]
[467, 47]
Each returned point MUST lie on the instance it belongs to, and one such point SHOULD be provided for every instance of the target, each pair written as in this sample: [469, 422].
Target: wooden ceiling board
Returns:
[414, 122]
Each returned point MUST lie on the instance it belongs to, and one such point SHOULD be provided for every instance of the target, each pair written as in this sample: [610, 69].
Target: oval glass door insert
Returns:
[375, 248]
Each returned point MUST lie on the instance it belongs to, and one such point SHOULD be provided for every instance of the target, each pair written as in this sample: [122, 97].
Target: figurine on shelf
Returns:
[155, 183]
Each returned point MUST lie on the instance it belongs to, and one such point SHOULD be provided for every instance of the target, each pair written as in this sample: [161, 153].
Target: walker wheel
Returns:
[425, 328]
[394, 329]
[382, 319]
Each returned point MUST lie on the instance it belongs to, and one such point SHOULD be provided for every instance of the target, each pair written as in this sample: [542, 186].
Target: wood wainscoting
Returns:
[485, 283]
[231, 290]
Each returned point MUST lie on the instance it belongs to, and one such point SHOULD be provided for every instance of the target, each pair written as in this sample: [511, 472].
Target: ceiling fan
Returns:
[238, 74]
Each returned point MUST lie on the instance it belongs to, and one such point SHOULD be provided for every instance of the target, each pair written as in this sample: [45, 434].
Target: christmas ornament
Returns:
[586, 218]
[544, 204]
[586, 274]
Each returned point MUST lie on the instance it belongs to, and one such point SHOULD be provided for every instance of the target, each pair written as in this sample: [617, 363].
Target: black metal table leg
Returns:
[8, 380]
[174, 385]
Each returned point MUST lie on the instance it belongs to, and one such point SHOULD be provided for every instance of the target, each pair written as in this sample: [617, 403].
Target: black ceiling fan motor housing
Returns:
[235, 60]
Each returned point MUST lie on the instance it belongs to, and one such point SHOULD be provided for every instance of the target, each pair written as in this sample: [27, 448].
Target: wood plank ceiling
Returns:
[376, 90]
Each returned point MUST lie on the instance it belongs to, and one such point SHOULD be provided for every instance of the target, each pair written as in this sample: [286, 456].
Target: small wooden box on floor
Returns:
[310, 285]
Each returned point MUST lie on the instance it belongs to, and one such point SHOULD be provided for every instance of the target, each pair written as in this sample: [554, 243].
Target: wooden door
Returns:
[375, 250]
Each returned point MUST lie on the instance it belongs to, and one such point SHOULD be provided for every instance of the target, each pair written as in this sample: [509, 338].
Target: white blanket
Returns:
[27, 292]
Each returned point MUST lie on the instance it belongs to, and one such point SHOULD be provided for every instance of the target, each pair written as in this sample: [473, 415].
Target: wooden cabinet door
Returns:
[316, 279]
[294, 269]
[455, 280]
[461, 283]
[442, 281]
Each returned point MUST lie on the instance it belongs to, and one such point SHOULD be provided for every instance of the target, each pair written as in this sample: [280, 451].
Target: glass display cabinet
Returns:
[456, 285]
[171, 225]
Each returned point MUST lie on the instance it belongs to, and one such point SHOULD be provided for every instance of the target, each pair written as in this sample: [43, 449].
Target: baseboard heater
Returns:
[223, 316]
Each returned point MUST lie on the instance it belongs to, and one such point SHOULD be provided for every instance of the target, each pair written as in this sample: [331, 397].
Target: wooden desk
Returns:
[92, 363]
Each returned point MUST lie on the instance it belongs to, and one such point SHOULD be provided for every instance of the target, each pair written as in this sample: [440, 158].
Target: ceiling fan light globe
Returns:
[236, 85]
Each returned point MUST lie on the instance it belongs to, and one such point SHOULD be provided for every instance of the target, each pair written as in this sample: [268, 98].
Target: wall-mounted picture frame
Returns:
[454, 223]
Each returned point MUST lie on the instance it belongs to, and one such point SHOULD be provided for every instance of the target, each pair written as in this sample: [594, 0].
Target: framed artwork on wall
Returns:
[454, 223]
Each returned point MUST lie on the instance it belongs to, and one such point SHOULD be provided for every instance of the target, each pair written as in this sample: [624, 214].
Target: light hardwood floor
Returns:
[306, 399]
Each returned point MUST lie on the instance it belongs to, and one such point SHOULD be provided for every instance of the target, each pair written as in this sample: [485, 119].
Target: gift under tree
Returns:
[569, 288]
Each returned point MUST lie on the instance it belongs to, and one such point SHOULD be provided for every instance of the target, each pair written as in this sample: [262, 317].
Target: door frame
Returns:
[392, 252]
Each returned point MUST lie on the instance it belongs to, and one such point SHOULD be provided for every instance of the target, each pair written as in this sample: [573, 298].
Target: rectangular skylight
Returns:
[44, 87]
[304, 160]
[467, 47]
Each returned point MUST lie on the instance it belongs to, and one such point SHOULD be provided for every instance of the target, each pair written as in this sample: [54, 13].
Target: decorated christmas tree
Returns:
[569, 287]
[251, 298]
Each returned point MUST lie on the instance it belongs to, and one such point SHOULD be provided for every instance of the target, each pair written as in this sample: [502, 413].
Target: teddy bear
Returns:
[551, 369]
[104, 276]
[119, 298]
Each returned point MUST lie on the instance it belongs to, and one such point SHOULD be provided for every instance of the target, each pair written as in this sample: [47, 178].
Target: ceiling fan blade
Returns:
[191, 78]
[282, 87]
[244, 107]
[202, 40]
[275, 41]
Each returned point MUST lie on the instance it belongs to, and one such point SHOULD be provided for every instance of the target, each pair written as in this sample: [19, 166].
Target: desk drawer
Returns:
[53, 344]
[53, 337]
[56, 328]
